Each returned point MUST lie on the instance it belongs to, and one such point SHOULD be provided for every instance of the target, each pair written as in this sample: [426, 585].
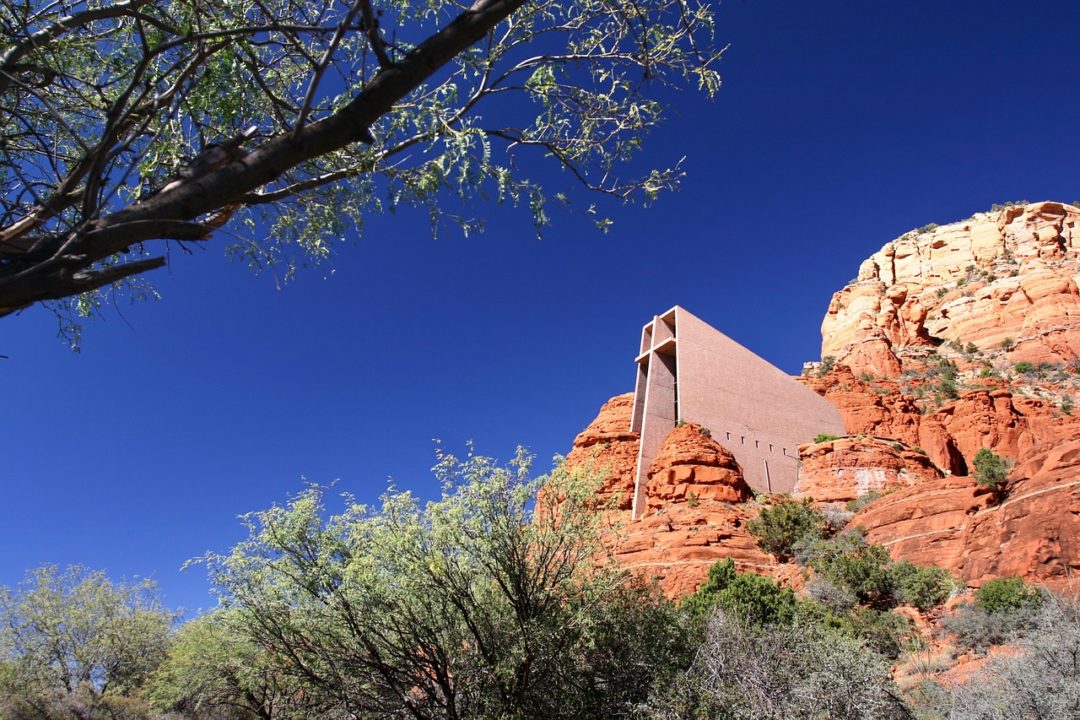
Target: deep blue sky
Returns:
[840, 126]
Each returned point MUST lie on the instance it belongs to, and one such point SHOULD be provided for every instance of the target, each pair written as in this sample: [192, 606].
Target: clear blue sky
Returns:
[840, 126]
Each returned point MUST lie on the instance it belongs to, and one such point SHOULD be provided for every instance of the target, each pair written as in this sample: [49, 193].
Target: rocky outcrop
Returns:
[843, 469]
[690, 467]
[698, 503]
[1032, 532]
[608, 450]
[994, 416]
[1005, 276]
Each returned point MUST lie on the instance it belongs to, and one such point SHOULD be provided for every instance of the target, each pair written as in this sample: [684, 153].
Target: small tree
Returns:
[779, 527]
[991, 470]
[489, 602]
[750, 597]
[74, 644]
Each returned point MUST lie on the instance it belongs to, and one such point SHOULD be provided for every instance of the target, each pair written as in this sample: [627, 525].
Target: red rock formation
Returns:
[1005, 274]
[690, 467]
[609, 450]
[1034, 532]
[697, 501]
[843, 469]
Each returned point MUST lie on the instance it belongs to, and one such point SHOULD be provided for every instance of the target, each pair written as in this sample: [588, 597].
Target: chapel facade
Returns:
[690, 371]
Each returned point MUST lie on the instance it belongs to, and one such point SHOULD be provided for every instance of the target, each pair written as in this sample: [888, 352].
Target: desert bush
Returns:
[779, 527]
[849, 560]
[779, 672]
[991, 470]
[1024, 367]
[863, 500]
[1042, 680]
[825, 437]
[836, 519]
[827, 364]
[834, 596]
[753, 598]
[921, 587]
[1007, 594]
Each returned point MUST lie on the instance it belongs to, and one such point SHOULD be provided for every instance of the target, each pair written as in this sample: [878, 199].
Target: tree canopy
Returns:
[279, 123]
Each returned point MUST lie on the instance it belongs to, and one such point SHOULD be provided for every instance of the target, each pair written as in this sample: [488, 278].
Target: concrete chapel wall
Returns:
[751, 407]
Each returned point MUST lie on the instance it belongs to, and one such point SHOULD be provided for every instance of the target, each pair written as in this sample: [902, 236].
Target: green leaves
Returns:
[492, 601]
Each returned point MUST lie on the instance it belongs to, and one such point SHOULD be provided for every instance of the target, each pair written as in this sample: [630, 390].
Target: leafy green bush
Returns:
[1024, 367]
[778, 528]
[849, 560]
[754, 599]
[1008, 344]
[827, 364]
[778, 672]
[863, 500]
[825, 437]
[1005, 594]
[921, 587]
[991, 470]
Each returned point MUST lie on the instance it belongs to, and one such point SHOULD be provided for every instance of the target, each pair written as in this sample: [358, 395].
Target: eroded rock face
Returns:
[697, 501]
[1033, 532]
[840, 470]
[691, 467]
[992, 416]
[1008, 274]
[609, 450]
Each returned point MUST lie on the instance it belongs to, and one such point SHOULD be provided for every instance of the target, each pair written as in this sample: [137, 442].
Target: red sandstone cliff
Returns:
[926, 345]
[698, 502]
[1005, 275]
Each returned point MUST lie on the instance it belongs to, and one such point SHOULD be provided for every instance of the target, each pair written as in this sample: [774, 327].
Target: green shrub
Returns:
[851, 561]
[921, 587]
[863, 500]
[991, 470]
[977, 629]
[885, 632]
[1066, 405]
[1008, 344]
[825, 437]
[827, 364]
[947, 387]
[754, 599]
[1024, 367]
[1005, 594]
[778, 528]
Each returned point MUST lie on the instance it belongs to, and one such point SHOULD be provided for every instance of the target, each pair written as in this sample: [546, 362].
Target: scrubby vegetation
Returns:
[489, 604]
[779, 527]
[991, 470]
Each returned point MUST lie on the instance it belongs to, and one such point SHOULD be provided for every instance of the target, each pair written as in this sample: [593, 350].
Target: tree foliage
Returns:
[281, 122]
[780, 527]
[73, 644]
[213, 670]
[779, 672]
[751, 598]
[479, 605]
[991, 470]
